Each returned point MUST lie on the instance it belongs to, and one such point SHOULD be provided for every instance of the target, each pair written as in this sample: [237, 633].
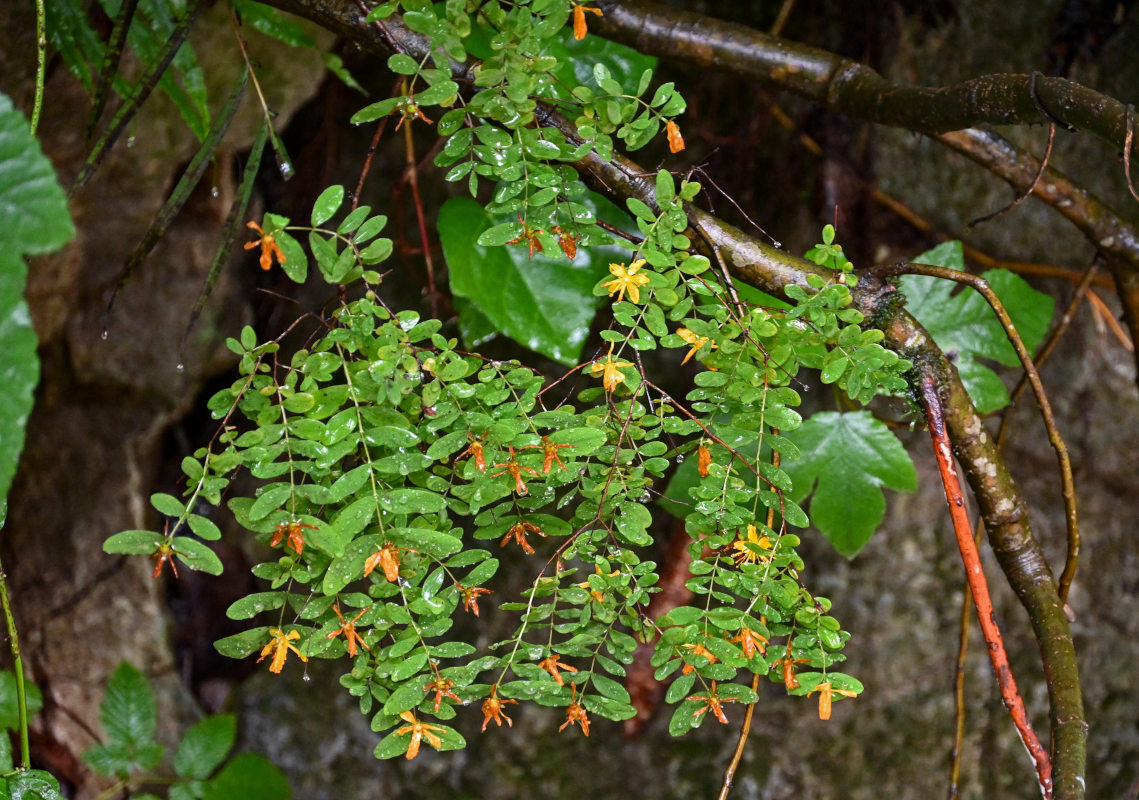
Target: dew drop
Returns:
[181, 368]
[778, 245]
[679, 457]
[306, 677]
[214, 192]
[130, 141]
[104, 335]
[286, 169]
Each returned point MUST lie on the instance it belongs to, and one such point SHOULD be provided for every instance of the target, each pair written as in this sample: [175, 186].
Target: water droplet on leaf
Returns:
[181, 368]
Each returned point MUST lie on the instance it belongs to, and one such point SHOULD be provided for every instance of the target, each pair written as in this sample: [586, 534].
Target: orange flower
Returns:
[703, 460]
[515, 469]
[695, 341]
[518, 533]
[419, 731]
[789, 678]
[675, 140]
[162, 556]
[750, 642]
[492, 709]
[743, 547]
[826, 692]
[442, 689]
[294, 533]
[579, 29]
[712, 703]
[550, 450]
[553, 666]
[279, 646]
[610, 370]
[470, 595]
[349, 631]
[269, 247]
[387, 558]
[567, 241]
[575, 712]
[626, 279]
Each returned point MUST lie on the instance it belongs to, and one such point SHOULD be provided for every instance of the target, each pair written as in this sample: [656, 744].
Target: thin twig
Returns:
[412, 174]
[935, 416]
[17, 659]
[1127, 149]
[1109, 317]
[1069, 488]
[368, 161]
[1020, 198]
[41, 63]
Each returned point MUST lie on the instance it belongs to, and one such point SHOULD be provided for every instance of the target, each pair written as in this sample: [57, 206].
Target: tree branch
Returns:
[849, 87]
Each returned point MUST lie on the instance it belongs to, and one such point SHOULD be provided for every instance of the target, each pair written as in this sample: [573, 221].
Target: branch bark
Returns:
[849, 87]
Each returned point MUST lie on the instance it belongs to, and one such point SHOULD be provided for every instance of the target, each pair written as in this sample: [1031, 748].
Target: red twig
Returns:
[935, 416]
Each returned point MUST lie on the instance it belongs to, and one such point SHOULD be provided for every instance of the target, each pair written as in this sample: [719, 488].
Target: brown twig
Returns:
[368, 161]
[935, 416]
[411, 172]
[982, 286]
[1027, 192]
[1127, 150]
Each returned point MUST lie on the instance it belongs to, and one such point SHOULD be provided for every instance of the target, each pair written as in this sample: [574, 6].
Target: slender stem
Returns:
[935, 415]
[17, 659]
[41, 63]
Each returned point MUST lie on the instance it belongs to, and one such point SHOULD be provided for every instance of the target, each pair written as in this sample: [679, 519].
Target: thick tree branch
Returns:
[849, 87]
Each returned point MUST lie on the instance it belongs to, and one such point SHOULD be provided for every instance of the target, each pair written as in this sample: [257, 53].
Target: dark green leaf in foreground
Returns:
[35, 220]
[545, 304]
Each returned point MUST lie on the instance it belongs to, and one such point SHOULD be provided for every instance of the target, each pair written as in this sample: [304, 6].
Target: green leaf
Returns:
[248, 776]
[128, 712]
[848, 459]
[412, 501]
[205, 746]
[966, 328]
[576, 59]
[543, 303]
[134, 543]
[167, 504]
[9, 708]
[243, 644]
[35, 220]
[35, 784]
[327, 204]
[196, 555]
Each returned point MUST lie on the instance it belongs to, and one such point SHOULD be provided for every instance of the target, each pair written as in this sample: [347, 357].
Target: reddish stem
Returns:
[935, 415]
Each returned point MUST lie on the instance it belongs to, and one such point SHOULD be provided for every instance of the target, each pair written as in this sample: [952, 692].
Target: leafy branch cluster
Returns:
[387, 457]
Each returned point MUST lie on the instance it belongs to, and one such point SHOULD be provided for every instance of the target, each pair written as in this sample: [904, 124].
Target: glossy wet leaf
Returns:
[543, 303]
